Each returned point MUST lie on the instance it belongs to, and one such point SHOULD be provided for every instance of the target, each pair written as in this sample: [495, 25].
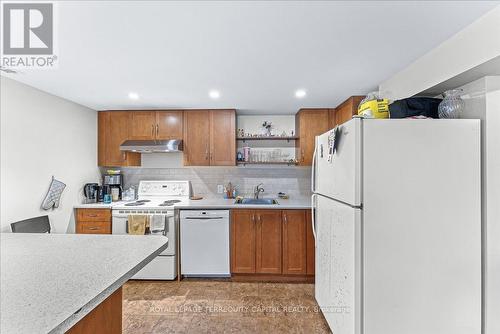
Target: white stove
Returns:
[156, 199]
[158, 195]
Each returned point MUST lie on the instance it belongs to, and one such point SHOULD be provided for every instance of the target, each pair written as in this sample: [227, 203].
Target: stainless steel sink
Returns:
[256, 201]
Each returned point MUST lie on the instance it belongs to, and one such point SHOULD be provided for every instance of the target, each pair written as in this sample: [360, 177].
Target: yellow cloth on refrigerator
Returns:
[137, 224]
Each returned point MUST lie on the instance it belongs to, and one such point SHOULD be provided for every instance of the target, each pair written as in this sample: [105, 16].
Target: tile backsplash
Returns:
[295, 181]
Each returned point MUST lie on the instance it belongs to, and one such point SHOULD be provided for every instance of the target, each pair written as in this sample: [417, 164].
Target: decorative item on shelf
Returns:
[268, 127]
[452, 104]
[246, 153]
[51, 200]
[239, 156]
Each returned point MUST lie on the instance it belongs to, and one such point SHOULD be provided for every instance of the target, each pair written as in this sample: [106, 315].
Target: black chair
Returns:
[33, 225]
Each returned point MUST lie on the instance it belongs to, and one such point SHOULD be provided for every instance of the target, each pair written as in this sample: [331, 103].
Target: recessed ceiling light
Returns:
[133, 96]
[214, 94]
[300, 93]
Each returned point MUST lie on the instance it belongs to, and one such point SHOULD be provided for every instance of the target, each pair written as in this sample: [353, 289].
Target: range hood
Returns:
[152, 146]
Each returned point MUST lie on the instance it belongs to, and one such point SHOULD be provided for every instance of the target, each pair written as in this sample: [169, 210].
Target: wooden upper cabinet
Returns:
[169, 125]
[222, 137]
[294, 242]
[196, 138]
[331, 118]
[243, 241]
[268, 242]
[309, 123]
[347, 109]
[102, 123]
[209, 138]
[113, 130]
[142, 125]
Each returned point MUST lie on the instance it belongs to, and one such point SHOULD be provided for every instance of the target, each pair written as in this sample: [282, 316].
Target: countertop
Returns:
[215, 203]
[219, 203]
[51, 281]
[99, 205]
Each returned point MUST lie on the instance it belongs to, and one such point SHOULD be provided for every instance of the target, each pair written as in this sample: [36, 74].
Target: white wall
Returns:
[482, 100]
[253, 124]
[474, 45]
[43, 135]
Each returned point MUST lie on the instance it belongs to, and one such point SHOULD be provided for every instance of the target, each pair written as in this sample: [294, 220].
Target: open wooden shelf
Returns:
[268, 138]
[266, 163]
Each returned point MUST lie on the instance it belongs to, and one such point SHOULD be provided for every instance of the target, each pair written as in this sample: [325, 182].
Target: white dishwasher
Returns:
[204, 237]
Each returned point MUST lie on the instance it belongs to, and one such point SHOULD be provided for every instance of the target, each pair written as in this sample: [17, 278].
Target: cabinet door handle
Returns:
[206, 153]
[302, 155]
[285, 219]
[259, 219]
[93, 228]
[124, 156]
[152, 130]
[157, 131]
[92, 215]
[253, 219]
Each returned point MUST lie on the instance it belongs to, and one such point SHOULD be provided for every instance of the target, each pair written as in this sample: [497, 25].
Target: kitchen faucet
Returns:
[258, 189]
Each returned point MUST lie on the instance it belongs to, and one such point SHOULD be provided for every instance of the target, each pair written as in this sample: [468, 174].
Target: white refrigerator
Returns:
[397, 224]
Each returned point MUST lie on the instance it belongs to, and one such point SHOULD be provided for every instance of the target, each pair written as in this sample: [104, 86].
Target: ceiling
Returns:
[256, 54]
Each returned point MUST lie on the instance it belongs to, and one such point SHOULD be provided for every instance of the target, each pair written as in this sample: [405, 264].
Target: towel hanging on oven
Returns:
[137, 224]
[158, 224]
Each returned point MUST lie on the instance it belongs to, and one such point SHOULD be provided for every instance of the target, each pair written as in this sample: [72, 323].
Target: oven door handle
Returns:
[136, 214]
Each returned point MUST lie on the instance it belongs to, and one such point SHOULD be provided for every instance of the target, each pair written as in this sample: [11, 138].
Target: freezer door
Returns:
[338, 264]
[340, 177]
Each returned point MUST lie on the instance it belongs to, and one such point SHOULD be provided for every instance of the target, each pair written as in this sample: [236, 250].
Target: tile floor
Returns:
[220, 307]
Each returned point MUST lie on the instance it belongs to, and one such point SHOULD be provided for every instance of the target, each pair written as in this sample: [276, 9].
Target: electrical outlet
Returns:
[220, 188]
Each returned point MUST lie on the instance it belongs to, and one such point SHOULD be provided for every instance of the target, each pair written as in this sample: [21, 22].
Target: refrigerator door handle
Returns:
[313, 172]
[313, 214]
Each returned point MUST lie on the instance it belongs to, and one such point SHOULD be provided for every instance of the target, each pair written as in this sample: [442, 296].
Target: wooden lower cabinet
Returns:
[271, 244]
[243, 241]
[310, 244]
[106, 318]
[93, 221]
[268, 242]
[294, 242]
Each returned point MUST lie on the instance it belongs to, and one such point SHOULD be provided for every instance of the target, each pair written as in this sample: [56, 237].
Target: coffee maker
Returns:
[113, 185]
[91, 192]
